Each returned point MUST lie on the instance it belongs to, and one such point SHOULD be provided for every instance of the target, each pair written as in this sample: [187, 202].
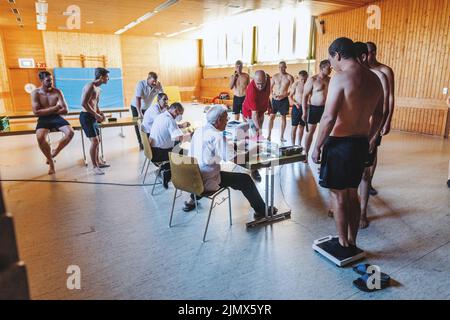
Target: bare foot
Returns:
[306, 160]
[330, 213]
[269, 138]
[51, 170]
[363, 223]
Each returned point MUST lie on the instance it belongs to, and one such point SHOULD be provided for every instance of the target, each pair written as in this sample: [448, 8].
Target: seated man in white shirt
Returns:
[154, 111]
[164, 133]
[209, 147]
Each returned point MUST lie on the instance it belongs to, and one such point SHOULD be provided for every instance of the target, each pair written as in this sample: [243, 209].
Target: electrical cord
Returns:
[77, 182]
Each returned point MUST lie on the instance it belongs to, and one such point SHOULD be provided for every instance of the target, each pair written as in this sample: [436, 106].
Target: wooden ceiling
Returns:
[108, 16]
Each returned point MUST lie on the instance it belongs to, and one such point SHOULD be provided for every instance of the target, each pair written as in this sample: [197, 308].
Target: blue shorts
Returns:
[281, 106]
[297, 113]
[89, 124]
[54, 121]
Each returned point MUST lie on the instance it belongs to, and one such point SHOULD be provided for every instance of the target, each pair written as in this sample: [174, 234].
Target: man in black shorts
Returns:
[91, 116]
[349, 128]
[296, 95]
[281, 82]
[238, 83]
[313, 102]
[48, 104]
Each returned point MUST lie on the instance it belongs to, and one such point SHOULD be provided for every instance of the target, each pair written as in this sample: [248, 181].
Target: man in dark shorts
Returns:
[91, 116]
[296, 95]
[238, 83]
[362, 53]
[281, 82]
[48, 104]
[313, 102]
[349, 128]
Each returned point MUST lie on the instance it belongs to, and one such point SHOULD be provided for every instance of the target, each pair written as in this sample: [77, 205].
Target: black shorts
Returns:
[281, 106]
[297, 113]
[89, 124]
[237, 104]
[343, 162]
[372, 156]
[54, 121]
[315, 114]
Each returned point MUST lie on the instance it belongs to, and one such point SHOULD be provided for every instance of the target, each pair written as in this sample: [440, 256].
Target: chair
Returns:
[148, 159]
[186, 177]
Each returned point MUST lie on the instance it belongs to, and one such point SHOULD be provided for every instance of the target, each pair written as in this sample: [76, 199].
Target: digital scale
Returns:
[327, 248]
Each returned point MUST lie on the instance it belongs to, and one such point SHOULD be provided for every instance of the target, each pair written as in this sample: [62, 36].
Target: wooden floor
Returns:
[119, 235]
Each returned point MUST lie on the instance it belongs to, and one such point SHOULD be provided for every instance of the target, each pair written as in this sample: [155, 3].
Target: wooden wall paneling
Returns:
[415, 41]
[76, 44]
[5, 93]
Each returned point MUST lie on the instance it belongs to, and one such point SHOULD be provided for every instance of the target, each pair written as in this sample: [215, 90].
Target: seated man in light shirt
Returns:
[164, 133]
[154, 111]
[209, 147]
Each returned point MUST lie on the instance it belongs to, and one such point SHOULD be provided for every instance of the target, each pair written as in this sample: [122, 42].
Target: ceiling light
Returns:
[42, 7]
[146, 16]
[41, 19]
[89, 22]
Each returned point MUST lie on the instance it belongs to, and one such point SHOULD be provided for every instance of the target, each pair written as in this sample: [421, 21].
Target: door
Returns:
[19, 78]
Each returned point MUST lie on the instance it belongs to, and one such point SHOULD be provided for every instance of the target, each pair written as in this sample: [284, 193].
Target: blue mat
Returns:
[72, 80]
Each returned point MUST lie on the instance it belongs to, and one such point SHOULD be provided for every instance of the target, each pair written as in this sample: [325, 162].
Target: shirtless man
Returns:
[389, 73]
[91, 116]
[296, 95]
[315, 91]
[238, 83]
[348, 132]
[48, 104]
[448, 181]
[281, 82]
[362, 53]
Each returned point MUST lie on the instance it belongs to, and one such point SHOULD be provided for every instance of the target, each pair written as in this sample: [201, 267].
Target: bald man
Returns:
[374, 64]
[281, 82]
[256, 103]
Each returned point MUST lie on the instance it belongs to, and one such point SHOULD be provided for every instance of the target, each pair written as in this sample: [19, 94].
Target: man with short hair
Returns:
[48, 104]
[296, 95]
[91, 116]
[281, 82]
[374, 64]
[154, 111]
[348, 131]
[209, 147]
[256, 103]
[313, 102]
[238, 83]
[164, 133]
[362, 53]
[146, 91]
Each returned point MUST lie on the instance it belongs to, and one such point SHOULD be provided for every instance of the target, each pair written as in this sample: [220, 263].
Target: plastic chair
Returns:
[186, 177]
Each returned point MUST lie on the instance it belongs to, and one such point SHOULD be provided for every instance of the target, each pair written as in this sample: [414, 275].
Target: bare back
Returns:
[280, 85]
[355, 93]
[90, 97]
[241, 84]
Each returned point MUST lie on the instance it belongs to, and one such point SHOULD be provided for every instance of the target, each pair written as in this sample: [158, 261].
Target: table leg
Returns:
[84, 150]
[121, 127]
[269, 197]
[101, 144]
